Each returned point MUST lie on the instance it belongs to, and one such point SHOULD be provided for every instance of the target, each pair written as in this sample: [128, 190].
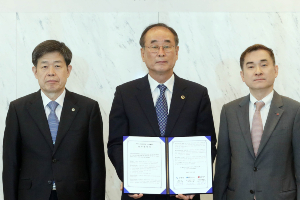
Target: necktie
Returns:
[53, 120]
[257, 127]
[162, 109]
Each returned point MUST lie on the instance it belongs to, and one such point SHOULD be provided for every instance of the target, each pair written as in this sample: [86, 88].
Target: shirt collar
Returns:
[267, 100]
[169, 83]
[59, 100]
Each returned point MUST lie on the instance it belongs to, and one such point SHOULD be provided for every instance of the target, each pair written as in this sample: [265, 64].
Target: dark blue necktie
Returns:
[53, 120]
[162, 110]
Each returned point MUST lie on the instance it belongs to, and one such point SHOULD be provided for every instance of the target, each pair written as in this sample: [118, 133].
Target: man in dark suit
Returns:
[53, 142]
[159, 104]
[259, 138]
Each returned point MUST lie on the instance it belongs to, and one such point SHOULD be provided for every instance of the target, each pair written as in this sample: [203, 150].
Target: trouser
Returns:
[53, 195]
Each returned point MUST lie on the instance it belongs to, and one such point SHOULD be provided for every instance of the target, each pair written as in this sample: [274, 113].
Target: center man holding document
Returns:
[159, 104]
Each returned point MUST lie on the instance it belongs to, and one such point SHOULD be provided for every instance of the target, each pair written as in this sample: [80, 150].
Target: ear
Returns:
[276, 70]
[143, 54]
[242, 75]
[69, 69]
[176, 52]
[34, 70]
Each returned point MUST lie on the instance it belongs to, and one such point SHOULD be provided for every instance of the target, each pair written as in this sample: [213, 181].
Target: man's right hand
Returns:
[135, 196]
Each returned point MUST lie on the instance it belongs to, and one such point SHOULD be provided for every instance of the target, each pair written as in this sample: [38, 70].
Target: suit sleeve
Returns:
[11, 155]
[96, 155]
[223, 162]
[296, 150]
[118, 127]
[205, 122]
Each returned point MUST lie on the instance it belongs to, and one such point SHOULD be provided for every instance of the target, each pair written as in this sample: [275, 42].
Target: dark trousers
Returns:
[53, 195]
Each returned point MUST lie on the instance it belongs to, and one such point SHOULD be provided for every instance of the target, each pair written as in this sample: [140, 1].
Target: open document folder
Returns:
[167, 165]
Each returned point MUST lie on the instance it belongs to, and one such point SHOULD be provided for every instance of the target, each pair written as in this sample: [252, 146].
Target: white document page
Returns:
[190, 165]
[144, 165]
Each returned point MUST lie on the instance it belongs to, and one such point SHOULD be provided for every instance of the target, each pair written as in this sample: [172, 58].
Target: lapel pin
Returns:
[277, 113]
[73, 109]
[182, 97]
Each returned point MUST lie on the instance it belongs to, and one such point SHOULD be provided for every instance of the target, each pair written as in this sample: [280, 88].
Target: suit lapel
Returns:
[243, 117]
[177, 103]
[37, 112]
[274, 115]
[69, 111]
[145, 100]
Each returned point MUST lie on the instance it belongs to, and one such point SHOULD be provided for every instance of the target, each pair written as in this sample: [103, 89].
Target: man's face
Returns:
[52, 73]
[259, 72]
[160, 63]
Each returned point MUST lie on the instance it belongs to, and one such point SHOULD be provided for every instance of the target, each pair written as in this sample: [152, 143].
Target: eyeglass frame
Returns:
[149, 47]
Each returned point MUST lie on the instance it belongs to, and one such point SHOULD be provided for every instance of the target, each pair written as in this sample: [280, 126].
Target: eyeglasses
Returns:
[155, 48]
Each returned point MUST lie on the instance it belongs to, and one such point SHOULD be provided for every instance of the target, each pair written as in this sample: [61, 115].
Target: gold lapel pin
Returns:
[73, 109]
[182, 97]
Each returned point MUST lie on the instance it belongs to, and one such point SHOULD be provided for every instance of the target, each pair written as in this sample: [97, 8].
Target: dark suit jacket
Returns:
[274, 173]
[31, 162]
[133, 114]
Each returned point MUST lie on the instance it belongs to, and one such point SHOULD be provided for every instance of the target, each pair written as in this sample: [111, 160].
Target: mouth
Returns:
[260, 79]
[161, 62]
[51, 81]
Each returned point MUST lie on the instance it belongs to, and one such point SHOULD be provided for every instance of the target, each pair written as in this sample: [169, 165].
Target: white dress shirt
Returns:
[156, 92]
[264, 110]
[59, 100]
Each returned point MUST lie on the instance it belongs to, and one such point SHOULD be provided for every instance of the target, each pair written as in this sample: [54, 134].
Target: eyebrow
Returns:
[153, 41]
[249, 63]
[57, 61]
[263, 60]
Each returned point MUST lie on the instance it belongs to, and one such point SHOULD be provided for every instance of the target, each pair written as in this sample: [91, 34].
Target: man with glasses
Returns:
[159, 104]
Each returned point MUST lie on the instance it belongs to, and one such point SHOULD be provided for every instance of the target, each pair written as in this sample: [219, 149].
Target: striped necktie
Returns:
[53, 120]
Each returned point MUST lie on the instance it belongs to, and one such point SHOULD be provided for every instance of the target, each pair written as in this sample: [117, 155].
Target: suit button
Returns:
[255, 169]
[49, 182]
[251, 191]
[54, 160]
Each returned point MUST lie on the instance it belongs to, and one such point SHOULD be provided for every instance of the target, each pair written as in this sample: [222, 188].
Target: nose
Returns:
[258, 71]
[161, 52]
[51, 71]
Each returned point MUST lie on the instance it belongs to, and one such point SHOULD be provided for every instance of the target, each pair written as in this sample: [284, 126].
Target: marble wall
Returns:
[106, 53]
[8, 71]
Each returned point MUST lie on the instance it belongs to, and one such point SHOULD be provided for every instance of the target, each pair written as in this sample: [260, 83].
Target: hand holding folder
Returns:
[167, 165]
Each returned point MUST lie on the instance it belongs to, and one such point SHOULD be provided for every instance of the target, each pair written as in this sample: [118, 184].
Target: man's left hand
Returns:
[186, 197]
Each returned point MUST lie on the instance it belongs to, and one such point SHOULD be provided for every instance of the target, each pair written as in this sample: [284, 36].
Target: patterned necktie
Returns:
[53, 120]
[257, 127]
[162, 109]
